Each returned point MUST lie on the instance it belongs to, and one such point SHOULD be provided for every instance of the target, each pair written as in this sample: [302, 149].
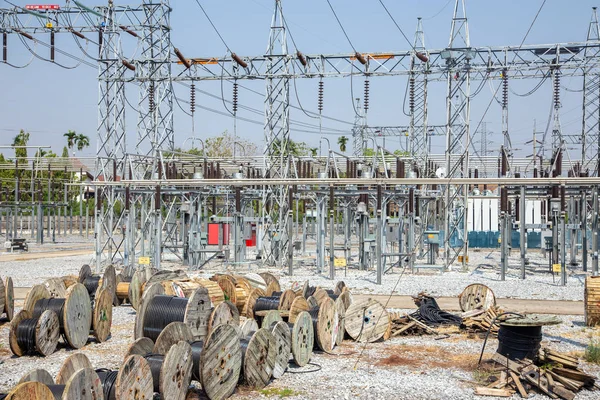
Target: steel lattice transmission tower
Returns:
[458, 56]
[590, 143]
[418, 99]
[277, 135]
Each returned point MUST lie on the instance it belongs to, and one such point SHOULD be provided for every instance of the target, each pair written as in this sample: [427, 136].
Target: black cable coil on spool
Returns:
[109, 380]
[26, 335]
[55, 305]
[267, 303]
[155, 361]
[332, 294]
[57, 390]
[519, 342]
[91, 283]
[3, 396]
[161, 311]
[197, 348]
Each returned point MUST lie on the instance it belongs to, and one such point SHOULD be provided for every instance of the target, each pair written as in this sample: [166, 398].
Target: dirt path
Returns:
[44, 254]
[555, 307]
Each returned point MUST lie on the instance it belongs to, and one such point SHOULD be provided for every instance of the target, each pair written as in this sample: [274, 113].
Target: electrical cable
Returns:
[161, 311]
[341, 26]
[291, 371]
[53, 304]
[430, 313]
[213, 25]
[397, 26]
[155, 361]
[437, 13]
[197, 348]
[108, 379]
[26, 335]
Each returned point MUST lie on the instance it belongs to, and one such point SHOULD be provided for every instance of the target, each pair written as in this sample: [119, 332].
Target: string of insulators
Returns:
[422, 56]
[235, 97]
[301, 58]
[25, 34]
[193, 98]
[4, 47]
[321, 90]
[108, 379]
[128, 65]
[151, 97]
[183, 60]
[52, 46]
[360, 58]
[557, 88]
[78, 34]
[411, 97]
[239, 60]
[126, 29]
[161, 311]
[505, 88]
[366, 97]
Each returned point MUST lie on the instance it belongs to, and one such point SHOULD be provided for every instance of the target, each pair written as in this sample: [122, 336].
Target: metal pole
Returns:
[584, 227]
[523, 231]
[503, 252]
[563, 247]
[595, 231]
[379, 236]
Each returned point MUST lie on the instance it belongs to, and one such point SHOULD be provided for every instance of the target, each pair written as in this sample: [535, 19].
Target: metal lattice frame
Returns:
[418, 101]
[277, 136]
[590, 151]
[457, 135]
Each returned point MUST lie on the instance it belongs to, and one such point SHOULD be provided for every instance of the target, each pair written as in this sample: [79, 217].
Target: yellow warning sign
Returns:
[339, 262]
[49, 25]
[555, 267]
[144, 260]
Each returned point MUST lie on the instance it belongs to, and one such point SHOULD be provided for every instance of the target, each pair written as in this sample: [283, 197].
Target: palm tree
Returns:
[342, 141]
[71, 138]
[82, 141]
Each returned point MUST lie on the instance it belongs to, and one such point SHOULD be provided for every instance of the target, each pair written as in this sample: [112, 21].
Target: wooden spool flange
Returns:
[248, 328]
[272, 287]
[109, 282]
[591, 300]
[339, 288]
[248, 310]
[84, 272]
[283, 346]
[298, 305]
[320, 295]
[56, 287]
[476, 296]
[224, 313]
[256, 281]
[259, 359]
[160, 276]
[171, 335]
[303, 339]
[269, 278]
[176, 372]
[77, 316]
[341, 309]
[84, 385]
[70, 366]
[38, 375]
[30, 391]
[198, 312]
[287, 298]
[9, 299]
[346, 298]
[326, 330]
[134, 381]
[134, 293]
[141, 347]
[36, 293]
[366, 320]
[228, 288]
[214, 290]
[102, 314]
[47, 331]
[271, 317]
[221, 362]
[312, 302]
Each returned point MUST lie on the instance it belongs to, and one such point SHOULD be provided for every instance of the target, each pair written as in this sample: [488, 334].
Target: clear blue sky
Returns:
[47, 100]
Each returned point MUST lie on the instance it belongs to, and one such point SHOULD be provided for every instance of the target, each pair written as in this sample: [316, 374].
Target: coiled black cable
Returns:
[155, 361]
[161, 311]
[276, 294]
[91, 283]
[26, 335]
[197, 347]
[57, 390]
[56, 305]
[267, 303]
[314, 315]
[3, 396]
[244, 347]
[108, 379]
[310, 291]
[332, 294]
[431, 314]
[519, 342]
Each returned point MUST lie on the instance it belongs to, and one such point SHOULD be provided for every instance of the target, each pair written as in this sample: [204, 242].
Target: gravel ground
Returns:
[402, 368]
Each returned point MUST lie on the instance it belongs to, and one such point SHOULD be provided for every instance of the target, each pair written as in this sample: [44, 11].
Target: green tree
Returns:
[65, 152]
[82, 141]
[21, 140]
[71, 138]
[313, 152]
[291, 148]
[342, 141]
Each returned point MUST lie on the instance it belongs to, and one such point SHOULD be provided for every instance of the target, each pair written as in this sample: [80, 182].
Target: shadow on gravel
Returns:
[565, 340]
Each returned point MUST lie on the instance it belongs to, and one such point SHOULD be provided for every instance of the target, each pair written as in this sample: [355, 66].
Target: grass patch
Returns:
[592, 352]
[281, 392]
[482, 376]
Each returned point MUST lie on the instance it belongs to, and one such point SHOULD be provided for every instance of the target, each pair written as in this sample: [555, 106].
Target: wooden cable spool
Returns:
[591, 300]
[69, 280]
[160, 276]
[241, 296]
[172, 373]
[102, 314]
[256, 281]
[44, 333]
[272, 287]
[269, 278]
[141, 346]
[339, 287]
[312, 302]
[248, 310]
[221, 362]
[303, 339]
[283, 347]
[108, 280]
[229, 290]
[134, 380]
[258, 358]
[476, 296]
[326, 324]
[271, 317]
[224, 314]
[7, 298]
[123, 291]
[30, 391]
[346, 298]
[56, 287]
[248, 327]
[196, 314]
[72, 364]
[366, 320]
[38, 375]
[75, 314]
[341, 309]
[214, 291]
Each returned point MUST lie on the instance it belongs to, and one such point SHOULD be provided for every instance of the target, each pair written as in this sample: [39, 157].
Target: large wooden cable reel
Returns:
[9, 299]
[326, 325]
[258, 358]
[283, 347]
[366, 320]
[224, 313]
[221, 362]
[303, 339]
[476, 296]
[45, 336]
